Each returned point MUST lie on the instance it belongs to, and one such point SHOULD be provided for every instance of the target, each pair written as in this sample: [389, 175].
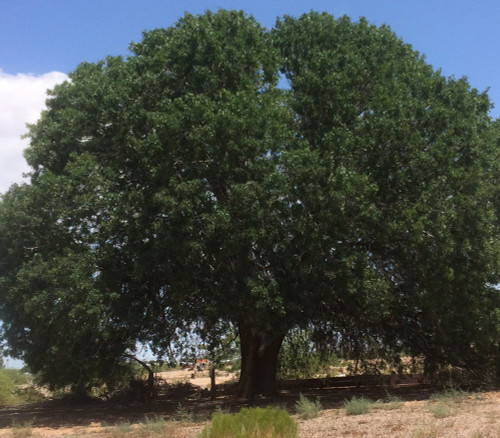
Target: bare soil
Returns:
[477, 415]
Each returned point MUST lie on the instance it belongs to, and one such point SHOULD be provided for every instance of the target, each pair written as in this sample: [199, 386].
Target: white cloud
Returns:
[22, 99]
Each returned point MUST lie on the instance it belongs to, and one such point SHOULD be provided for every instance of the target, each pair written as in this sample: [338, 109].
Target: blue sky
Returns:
[43, 40]
[39, 36]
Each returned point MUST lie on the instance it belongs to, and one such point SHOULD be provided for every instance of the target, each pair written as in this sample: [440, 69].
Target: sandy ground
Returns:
[197, 378]
[477, 416]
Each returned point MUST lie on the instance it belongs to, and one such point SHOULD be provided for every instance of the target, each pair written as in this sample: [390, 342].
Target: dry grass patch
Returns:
[389, 403]
[426, 431]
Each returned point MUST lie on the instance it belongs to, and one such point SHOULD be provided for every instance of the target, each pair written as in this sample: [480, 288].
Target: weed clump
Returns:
[183, 415]
[443, 404]
[307, 408]
[22, 430]
[441, 410]
[390, 402]
[153, 425]
[451, 394]
[252, 423]
[357, 405]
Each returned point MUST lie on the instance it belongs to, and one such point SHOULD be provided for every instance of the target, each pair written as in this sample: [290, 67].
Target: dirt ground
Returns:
[196, 378]
[186, 400]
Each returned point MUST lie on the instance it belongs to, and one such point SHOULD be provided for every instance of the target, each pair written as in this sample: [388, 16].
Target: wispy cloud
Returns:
[22, 99]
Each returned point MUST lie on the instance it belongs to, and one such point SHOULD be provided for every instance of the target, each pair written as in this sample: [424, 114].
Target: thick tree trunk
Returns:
[259, 362]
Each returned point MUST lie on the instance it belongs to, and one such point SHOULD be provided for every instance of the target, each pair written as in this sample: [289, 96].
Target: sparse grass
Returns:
[443, 404]
[390, 402]
[426, 431]
[22, 430]
[441, 410]
[220, 410]
[358, 405]
[252, 423]
[492, 417]
[119, 430]
[307, 408]
[183, 415]
[153, 425]
[451, 394]
[149, 427]
[423, 416]
[123, 429]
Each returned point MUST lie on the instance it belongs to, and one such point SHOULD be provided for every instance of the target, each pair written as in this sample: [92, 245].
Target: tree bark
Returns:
[212, 381]
[259, 362]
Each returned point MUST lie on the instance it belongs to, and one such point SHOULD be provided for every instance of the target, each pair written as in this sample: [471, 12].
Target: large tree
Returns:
[186, 188]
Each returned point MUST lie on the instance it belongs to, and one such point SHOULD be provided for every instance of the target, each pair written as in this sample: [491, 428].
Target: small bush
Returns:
[252, 423]
[307, 408]
[357, 406]
[7, 388]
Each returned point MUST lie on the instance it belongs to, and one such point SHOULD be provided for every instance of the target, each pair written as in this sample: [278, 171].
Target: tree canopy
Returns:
[224, 176]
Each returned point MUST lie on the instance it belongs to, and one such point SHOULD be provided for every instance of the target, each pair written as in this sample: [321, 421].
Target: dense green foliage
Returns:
[252, 423]
[7, 388]
[10, 392]
[301, 358]
[182, 190]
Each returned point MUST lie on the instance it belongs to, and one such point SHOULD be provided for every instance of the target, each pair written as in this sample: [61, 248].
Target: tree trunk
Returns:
[259, 362]
[212, 381]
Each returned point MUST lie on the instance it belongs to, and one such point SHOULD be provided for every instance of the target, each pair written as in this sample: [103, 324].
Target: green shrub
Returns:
[17, 376]
[7, 387]
[307, 408]
[252, 423]
[299, 358]
[357, 405]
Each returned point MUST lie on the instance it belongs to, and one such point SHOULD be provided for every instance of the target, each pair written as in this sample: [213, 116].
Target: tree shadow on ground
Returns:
[332, 392]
